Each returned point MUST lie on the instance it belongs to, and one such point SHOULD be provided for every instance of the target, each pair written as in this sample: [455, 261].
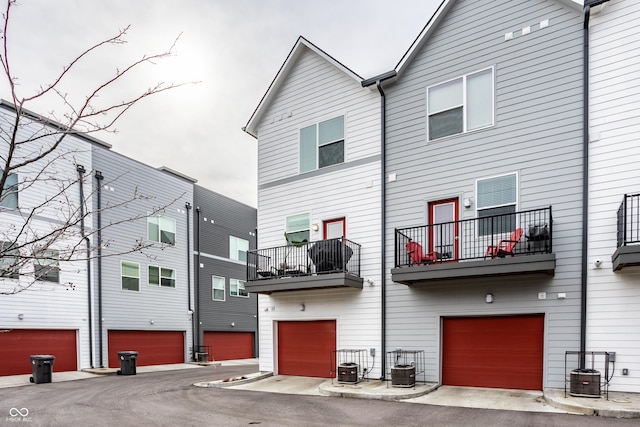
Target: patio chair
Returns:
[506, 246]
[416, 256]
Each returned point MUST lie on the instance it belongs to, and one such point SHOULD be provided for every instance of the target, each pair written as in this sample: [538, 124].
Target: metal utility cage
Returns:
[404, 366]
[587, 382]
[350, 366]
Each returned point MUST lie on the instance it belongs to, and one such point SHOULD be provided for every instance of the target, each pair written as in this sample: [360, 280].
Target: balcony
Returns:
[332, 263]
[506, 244]
[627, 253]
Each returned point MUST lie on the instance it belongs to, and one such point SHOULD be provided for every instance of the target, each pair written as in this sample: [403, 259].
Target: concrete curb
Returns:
[591, 406]
[377, 390]
[231, 382]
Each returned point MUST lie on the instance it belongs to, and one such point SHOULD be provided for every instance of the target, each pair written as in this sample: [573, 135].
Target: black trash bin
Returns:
[41, 368]
[127, 362]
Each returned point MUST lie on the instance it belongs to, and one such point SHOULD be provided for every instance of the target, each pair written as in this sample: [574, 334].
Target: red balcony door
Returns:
[443, 238]
[335, 228]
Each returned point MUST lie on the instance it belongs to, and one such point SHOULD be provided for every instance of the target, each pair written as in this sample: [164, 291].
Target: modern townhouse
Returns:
[226, 318]
[142, 276]
[317, 267]
[484, 194]
[613, 322]
[45, 300]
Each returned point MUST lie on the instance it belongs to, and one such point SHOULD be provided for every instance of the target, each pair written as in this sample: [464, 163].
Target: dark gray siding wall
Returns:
[219, 218]
[536, 133]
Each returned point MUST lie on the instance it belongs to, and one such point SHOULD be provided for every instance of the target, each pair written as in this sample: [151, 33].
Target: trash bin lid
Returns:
[127, 352]
[42, 356]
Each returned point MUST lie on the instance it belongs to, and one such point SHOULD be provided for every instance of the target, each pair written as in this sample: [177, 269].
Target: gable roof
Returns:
[299, 47]
[435, 20]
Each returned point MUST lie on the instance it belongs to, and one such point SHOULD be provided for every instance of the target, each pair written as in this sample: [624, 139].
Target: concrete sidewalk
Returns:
[618, 404]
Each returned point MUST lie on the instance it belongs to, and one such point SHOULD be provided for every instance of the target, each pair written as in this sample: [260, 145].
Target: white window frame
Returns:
[478, 208]
[223, 289]
[316, 127]
[238, 284]
[306, 229]
[464, 104]
[161, 277]
[9, 268]
[234, 251]
[10, 196]
[158, 221]
[48, 259]
[122, 276]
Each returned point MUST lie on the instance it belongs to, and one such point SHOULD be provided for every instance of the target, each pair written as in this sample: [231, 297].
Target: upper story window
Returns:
[46, 266]
[236, 288]
[322, 144]
[159, 276]
[460, 105]
[238, 248]
[9, 197]
[297, 228]
[130, 275]
[9, 261]
[217, 288]
[496, 200]
[161, 229]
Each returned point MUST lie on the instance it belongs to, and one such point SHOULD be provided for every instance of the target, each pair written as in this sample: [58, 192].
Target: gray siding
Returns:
[219, 218]
[124, 178]
[536, 134]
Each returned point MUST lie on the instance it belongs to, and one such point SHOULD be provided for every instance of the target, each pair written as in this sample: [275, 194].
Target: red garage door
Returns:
[497, 352]
[153, 347]
[304, 348]
[229, 345]
[16, 345]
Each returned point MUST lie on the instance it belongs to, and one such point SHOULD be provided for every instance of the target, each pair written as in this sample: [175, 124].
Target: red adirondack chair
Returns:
[506, 246]
[414, 250]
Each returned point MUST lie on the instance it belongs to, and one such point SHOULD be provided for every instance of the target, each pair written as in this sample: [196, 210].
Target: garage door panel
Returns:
[153, 347]
[499, 352]
[17, 345]
[229, 345]
[305, 348]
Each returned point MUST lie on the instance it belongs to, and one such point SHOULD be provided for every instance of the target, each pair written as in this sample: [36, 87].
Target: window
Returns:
[46, 266]
[161, 229]
[236, 288]
[496, 202]
[217, 288]
[322, 145]
[159, 276]
[130, 273]
[9, 261]
[460, 105]
[9, 197]
[238, 248]
[297, 228]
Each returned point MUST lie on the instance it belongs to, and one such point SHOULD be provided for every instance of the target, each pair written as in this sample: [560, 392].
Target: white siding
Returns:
[315, 90]
[46, 305]
[613, 322]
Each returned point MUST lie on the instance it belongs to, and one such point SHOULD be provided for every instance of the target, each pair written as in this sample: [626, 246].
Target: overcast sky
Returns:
[233, 47]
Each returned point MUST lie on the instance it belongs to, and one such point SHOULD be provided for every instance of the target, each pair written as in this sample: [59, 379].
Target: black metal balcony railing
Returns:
[319, 257]
[629, 220]
[479, 238]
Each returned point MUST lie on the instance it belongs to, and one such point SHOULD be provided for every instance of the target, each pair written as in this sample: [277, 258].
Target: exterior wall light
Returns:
[488, 298]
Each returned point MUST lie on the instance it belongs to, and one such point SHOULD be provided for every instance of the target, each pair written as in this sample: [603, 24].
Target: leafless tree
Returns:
[40, 155]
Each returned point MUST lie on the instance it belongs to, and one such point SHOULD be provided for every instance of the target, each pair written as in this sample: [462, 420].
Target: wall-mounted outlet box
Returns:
[372, 352]
[625, 371]
[612, 356]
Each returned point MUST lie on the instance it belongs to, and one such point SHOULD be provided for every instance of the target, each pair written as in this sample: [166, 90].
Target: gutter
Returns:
[196, 295]
[99, 178]
[81, 170]
[588, 4]
[383, 219]
[187, 206]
